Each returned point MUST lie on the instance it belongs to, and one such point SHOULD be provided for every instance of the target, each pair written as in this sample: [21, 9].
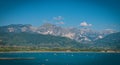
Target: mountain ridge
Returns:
[18, 37]
[78, 34]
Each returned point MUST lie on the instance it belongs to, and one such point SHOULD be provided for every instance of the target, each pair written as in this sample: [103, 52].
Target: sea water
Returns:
[59, 58]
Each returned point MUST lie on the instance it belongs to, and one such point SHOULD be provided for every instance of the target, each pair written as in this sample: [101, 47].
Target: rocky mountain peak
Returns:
[79, 34]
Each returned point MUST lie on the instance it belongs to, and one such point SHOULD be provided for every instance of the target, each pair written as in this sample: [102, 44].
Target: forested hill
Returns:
[36, 40]
[111, 41]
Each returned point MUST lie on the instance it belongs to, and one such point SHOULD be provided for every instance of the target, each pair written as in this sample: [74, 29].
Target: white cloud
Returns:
[85, 24]
[61, 22]
[90, 24]
[58, 18]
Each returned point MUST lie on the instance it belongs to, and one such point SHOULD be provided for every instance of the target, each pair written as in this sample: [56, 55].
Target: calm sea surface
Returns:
[59, 58]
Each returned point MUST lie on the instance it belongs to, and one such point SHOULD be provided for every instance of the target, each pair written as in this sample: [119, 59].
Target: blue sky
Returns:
[97, 14]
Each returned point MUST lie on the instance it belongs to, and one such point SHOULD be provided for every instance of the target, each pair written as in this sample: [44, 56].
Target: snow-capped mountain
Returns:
[79, 34]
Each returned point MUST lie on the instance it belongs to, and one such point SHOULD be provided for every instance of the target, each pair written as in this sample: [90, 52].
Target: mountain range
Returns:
[50, 35]
[78, 34]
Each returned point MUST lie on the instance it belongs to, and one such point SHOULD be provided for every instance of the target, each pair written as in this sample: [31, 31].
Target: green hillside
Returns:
[111, 41]
[36, 41]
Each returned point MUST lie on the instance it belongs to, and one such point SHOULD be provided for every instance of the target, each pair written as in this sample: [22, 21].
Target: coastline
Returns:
[57, 52]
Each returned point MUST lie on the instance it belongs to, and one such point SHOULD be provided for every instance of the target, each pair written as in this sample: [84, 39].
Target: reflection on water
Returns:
[18, 58]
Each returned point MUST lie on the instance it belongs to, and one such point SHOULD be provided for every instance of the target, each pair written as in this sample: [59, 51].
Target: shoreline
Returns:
[57, 52]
